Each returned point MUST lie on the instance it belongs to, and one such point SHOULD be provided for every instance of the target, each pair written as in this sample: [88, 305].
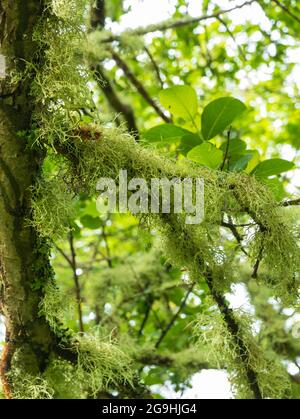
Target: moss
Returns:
[65, 383]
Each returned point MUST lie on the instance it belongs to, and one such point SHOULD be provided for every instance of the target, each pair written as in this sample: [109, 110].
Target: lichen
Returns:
[52, 208]
[28, 386]
[102, 364]
[213, 334]
[60, 91]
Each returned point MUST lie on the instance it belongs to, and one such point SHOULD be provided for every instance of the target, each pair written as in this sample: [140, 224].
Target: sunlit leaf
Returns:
[165, 132]
[188, 142]
[219, 114]
[180, 101]
[272, 167]
[207, 155]
[240, 163]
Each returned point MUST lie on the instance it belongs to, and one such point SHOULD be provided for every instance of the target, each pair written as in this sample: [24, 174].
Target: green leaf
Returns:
[114, 9]
[276, 187]
[180, 101]
[236, 146]
[219, 114]
[254, 161]
[188, 142]
[272, 167]
[91, 209]
[75, 229]
[91, 222]
[240, 163]
[207, 155]
[165, 132]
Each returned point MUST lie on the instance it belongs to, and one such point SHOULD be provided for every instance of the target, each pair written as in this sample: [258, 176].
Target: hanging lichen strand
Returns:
[89, 152]
[58, 91]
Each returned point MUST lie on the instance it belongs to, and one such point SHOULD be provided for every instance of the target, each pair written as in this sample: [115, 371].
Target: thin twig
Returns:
[108, 253]
[76, 282]
[170, 24]
[234, 330]
[115, 102]
[236, 234]
[155, 66]
[146, 316]
[138, 85]
[230, 33]
[287, 10]
[174, 318]
[63, 253]
[257, 263]
[227, 149]
[98, 14]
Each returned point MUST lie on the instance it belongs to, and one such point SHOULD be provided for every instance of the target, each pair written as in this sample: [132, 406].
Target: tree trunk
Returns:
[24, 261]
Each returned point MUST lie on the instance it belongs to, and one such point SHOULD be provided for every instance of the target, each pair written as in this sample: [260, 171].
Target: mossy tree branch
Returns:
[141, 162]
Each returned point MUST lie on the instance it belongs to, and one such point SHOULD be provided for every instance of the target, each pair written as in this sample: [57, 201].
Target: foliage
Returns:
[147, 282]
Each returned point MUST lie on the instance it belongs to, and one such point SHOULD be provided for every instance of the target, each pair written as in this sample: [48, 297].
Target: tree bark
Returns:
[24, 261]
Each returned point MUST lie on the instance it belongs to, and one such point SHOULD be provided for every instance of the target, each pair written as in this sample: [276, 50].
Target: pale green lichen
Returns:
[102, 364]
[61, 91]
[130, 279]
[27, 386]
[213, 334]
[56, 307]
[53, 208]
[60, 88]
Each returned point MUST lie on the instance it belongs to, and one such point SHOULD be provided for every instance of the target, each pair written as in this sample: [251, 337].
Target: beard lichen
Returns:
[102, 364]
[212, 334]
[60, 87]
[28, 386]
[52, 208]
[61, 91]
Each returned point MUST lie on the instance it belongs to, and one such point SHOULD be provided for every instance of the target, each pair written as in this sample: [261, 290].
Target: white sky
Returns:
[211, 384]
[146, 12]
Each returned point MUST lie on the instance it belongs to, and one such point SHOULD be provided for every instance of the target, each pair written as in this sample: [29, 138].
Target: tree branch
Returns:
[150, 302]
[168, 361]
[76, 281]
[138, 85]
[155, 66]
[174, 318]
[170, 24]
[286, 10]
[227, 149]
[291, 203]
[230, 33]
[98, 14]
[115, 102]
[234, 330]
[236, 234]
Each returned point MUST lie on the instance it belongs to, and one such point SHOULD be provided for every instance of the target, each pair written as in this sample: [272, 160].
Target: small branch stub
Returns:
[2, 67]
